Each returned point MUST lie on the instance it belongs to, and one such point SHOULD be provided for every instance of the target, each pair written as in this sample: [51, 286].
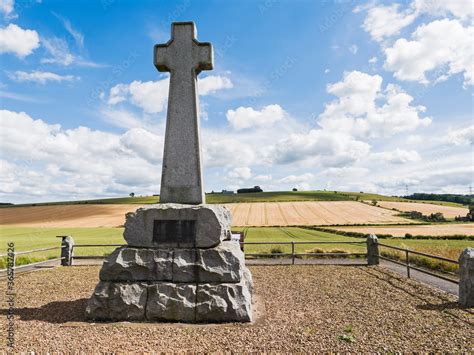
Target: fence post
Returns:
[372, 250]
[466, 278]
[67, 250]
[407, 258]
[292, 252]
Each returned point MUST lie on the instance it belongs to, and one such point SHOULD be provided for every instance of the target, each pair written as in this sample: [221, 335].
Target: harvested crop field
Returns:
[310, 213]
[244, 214]
[400, 231]
[327, 308]
[425, 208]
[74, 216]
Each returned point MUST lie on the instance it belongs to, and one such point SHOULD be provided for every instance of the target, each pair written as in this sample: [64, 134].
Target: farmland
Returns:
[425, 208]
[310, 213]
[271, 196]
[400, 231]
[34, 238]
[244, 214]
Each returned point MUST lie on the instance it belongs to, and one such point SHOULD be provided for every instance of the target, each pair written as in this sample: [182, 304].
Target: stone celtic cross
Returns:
[184, 57]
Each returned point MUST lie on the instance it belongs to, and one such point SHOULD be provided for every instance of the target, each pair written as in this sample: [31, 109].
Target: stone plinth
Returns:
[184, 269]
[171, 225]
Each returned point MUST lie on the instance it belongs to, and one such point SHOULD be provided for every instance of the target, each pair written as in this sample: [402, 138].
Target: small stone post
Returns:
[67, 250]
[372, 250]
[466, 278]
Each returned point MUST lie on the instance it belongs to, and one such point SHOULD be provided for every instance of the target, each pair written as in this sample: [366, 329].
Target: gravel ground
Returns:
[311, 308]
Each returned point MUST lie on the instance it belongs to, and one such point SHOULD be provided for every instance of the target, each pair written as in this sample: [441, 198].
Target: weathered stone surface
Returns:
[372, 250]
[171, 302]
[137, 264]
[224, 263]
[117, 302]
[184, 57]
[224, 302]
[466, 278]
[212, 225]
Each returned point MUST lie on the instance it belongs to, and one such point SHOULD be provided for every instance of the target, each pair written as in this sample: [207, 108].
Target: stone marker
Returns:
[184, 57]
[466, 278]
[179, 263]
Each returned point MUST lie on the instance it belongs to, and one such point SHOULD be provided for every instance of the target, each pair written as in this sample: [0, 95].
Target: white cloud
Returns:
[246, 117]
[244, 173]
[78, 36]
[364, 109]
[292, 179]
[212, 83]
[41, 77]
[353, 49]
[7, 7]
[463, 9]
[320, 147]
[59, 53]
[384, 21]
[263, 178]
[16, 40]
[152, 96]
[462, 136]
[50, 159]
[373, 60]
[398, 156]
[442, 45]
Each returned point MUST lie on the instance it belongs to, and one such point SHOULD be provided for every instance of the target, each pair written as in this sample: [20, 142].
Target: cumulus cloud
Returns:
[398, 156]
[152, 96]
[319, 146]
[435, 46]
[442, 47]
[384, 21]
[213, 83]
[246, 117]
[243, 173]
[364, 109]
[462, 136]
[72, 158]
[292, 179]
[41, 77]
[16, 40]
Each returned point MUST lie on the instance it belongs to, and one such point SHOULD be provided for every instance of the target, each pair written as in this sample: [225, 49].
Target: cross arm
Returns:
[161, 57]
[204, 55]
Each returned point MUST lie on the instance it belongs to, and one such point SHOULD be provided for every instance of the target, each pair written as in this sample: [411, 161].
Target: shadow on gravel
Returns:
[54, 312]
[441, 306]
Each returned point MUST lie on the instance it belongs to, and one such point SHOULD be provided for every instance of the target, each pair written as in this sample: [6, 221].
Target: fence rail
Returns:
[372, 254]
[409, 266]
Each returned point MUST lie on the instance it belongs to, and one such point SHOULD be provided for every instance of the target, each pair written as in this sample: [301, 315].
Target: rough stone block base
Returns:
[173, 302]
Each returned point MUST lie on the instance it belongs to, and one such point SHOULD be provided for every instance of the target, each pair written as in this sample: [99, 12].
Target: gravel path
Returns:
[309, 308]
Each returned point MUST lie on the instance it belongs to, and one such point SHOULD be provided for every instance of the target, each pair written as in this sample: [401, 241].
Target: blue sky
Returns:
[348, 95]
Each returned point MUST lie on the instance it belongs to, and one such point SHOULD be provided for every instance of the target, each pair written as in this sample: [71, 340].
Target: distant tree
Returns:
[132, 194]
[470, 215]
[294, 189]
[374, 202]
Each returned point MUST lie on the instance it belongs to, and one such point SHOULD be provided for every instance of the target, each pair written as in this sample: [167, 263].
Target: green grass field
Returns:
[273, 196]
[34, 238]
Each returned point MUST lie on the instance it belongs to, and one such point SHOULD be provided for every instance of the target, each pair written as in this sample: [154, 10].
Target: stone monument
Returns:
[179, 263]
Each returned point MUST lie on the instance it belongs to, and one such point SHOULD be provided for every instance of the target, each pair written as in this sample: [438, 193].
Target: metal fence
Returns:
[14, 255]
[293, 255]
[409, 266]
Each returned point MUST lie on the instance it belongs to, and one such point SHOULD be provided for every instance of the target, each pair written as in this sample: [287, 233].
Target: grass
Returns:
[272, 196]
[35, 238]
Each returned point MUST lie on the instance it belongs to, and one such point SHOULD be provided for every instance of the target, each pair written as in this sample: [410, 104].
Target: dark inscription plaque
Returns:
[172, 231]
